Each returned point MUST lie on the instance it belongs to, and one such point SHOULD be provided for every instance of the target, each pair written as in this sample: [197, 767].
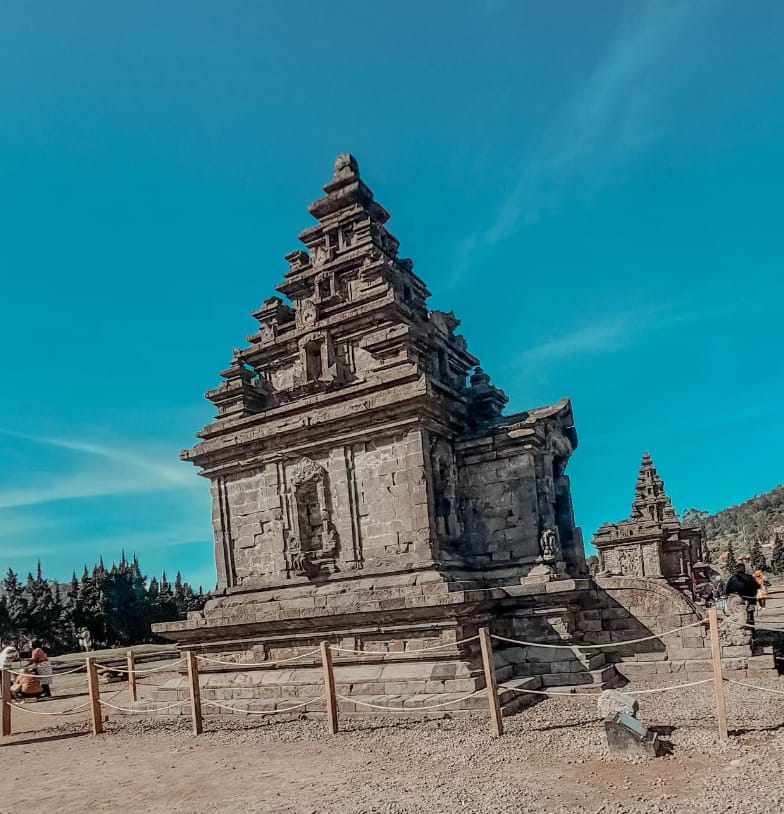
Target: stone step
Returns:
[582, 660]
[512, 702]
[593, 678]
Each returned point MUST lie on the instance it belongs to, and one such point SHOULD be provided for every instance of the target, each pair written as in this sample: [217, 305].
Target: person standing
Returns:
[762, 590]
[85, 640]
[43, 668]
[745, 586]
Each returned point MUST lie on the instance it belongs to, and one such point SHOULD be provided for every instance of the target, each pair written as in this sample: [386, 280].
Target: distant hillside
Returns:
[758, 520]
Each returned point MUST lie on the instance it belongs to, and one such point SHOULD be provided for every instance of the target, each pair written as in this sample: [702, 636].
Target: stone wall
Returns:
[625, 608]
[635, 607]
[367, 504]
[498, 498]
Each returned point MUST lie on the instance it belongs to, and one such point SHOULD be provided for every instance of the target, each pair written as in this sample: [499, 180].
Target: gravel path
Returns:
[552, 759]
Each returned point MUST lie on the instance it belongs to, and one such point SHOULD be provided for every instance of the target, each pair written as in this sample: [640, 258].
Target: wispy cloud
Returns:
[605, 124]
[99, 470]
[624, 328]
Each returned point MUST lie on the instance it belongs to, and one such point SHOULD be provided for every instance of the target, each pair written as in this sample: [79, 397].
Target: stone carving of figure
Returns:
[547, 544]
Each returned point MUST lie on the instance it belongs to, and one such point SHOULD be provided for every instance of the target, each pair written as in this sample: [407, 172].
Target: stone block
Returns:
[614, 701]
[694, 666]
[460, 685]
[404, 688]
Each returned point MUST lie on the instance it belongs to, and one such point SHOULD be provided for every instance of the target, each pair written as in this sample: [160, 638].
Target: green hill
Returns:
[757, 522]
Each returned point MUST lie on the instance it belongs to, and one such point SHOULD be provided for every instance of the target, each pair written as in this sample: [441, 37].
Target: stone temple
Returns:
[367, 490]
[652, 542]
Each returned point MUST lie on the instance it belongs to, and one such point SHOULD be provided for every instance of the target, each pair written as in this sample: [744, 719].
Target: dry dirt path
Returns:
[552, 759]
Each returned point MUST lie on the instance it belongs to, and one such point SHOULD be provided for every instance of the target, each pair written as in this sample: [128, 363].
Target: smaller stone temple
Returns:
[652, 542]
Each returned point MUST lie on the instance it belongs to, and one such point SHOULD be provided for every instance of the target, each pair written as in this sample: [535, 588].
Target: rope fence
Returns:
[235, 664]
[577, 646]
[263, 711]
[98, 706]
[412, 708]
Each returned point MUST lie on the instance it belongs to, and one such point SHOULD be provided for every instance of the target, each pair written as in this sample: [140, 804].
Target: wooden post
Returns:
[95, 695]
[329, 688]
[132, 676]
[193, 681]
[718, 677]
[5, 677]
[492, 688]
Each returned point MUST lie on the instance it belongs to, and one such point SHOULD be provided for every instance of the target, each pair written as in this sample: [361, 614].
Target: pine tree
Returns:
[757, 557]
[731, 559]
[16, 604]
[6, 631]
[777, 556]
[43, 614]
[115, 605]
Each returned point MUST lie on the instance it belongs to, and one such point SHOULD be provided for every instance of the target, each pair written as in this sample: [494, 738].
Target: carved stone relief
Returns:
[547, 544]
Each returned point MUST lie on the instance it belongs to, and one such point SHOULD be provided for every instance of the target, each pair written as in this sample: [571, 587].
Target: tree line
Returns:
[744, 530]
[117, 605]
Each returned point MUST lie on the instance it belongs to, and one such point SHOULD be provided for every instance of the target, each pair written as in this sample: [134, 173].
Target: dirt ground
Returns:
[552, 758]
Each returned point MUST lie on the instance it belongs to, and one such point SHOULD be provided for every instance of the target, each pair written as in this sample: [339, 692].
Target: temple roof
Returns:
[652, 512]
[651, 502]
[352, 320]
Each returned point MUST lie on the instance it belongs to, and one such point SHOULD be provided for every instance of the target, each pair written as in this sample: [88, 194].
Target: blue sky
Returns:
[595, 188]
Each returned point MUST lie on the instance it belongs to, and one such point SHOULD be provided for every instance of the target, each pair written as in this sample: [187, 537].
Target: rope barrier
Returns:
[53, 675]
[256, 663]
[576, 693]
[754, 687]
[119, 670]
[671, 687]
[701, 622]
[262, 712]
[142, 711]
[572, 693]
[409, 709]
[335, 648]
[73, 711]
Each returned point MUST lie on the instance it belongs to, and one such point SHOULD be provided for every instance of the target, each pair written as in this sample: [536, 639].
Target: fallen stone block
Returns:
[612, 702]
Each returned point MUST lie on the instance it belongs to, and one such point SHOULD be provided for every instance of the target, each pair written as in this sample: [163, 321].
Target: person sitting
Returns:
[40, 663]
[745, 586]
[26, 686]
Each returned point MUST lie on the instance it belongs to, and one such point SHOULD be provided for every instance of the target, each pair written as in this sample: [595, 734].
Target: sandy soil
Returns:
[552, 758]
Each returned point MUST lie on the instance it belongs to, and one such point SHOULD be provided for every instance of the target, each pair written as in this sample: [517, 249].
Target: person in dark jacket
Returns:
[745, 586]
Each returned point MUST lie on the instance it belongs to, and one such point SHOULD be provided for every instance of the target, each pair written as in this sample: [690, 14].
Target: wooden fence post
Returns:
[132, 676]
[492, 688]
[95, 695]
[329, 688]
[718, 677]
[193, 681]
[5, 678]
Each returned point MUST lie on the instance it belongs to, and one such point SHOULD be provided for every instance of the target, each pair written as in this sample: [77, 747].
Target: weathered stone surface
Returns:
[367, 490]
[612, 701]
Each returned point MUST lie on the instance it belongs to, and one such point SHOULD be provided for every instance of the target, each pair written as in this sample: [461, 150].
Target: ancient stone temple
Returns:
[652, 542]
[366, 487]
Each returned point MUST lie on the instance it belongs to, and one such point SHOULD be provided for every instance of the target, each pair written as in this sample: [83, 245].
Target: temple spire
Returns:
[651, 502]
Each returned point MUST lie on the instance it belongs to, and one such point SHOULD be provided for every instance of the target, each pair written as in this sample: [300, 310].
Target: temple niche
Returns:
[652, 542]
